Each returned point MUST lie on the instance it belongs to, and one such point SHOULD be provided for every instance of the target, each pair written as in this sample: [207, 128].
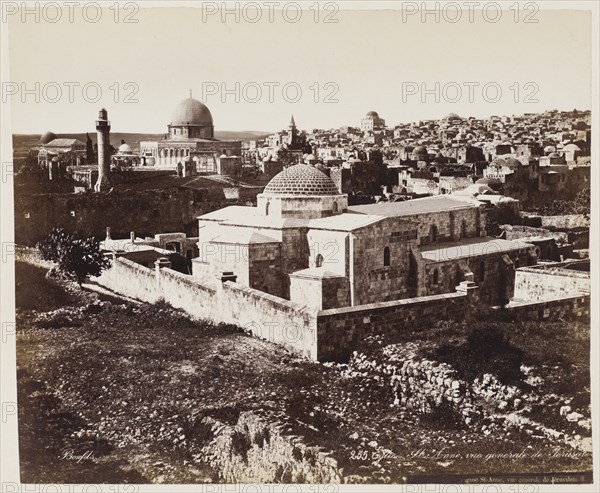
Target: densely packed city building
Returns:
[532, 157]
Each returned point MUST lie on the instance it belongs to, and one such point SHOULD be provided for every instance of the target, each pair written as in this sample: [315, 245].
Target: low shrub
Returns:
[486, 350]
[240, 445]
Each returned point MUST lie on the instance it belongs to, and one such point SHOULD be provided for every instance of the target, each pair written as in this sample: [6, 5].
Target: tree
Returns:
[579, 205]
[90, 154]
[582, 202]
[76, 258]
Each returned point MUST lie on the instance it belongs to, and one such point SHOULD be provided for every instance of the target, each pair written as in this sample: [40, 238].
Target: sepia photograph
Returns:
[297, 246]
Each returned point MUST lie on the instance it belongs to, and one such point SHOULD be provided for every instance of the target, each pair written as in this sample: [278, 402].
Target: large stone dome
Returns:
[192, 112]
[47, 137]
[301, 179]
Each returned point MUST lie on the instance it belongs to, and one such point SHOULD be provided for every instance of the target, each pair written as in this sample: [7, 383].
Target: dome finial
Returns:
[190, 94]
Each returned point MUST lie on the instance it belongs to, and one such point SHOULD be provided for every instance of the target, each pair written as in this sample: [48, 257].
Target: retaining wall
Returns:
[324, 335]
[341, 330]
[274, 319]
[556, 309]
[543, 283]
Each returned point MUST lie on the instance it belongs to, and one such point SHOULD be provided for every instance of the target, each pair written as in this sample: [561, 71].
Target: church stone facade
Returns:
[303, 243]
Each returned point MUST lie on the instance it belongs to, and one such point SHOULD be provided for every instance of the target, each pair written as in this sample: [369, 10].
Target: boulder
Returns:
[574, 417]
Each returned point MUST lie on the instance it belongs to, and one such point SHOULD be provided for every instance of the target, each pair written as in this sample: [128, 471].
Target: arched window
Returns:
[386, 256]
[334, 207]
[267, 209]
[436, 277]
[319, 260]
[433, 233]
[463, 229]
[482, 271]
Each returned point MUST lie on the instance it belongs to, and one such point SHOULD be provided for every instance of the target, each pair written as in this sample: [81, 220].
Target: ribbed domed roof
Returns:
[47, 137]
[192, 112]
[301, 179]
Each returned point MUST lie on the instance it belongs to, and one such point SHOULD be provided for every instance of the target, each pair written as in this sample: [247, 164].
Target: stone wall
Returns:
[556, 309]
[568, 221]
[130, 279]
[321, 293]
[373, 280]
[435, 389]
[341, 330]
[547, 282]
[451, 225]
[419, 384]
[277, 320]
[241, 193]
[142, 211]
[264, 269]
[323, 335]
[181, 291]
[494, 273]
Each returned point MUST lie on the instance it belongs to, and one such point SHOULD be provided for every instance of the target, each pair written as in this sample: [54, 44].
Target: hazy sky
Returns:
[368, 60]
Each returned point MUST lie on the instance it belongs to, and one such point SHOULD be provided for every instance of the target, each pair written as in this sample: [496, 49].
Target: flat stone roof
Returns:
[470, 247]
[247, 216]
[243, 237]
[126, 245]
[315, 273]
[228, 212]
[423, 205]
[344, 222]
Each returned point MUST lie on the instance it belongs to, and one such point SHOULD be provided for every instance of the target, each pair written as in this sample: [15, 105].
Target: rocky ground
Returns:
[115, 391]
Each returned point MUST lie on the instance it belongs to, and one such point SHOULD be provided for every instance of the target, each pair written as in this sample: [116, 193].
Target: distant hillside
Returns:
[242, 135]
[22, 142]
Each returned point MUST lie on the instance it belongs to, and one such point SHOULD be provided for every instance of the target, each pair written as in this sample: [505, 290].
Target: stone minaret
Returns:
[103, 128]
[293, 132]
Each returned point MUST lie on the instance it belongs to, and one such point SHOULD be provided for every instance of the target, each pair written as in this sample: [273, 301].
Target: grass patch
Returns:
[139, 376]
[34, 291]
